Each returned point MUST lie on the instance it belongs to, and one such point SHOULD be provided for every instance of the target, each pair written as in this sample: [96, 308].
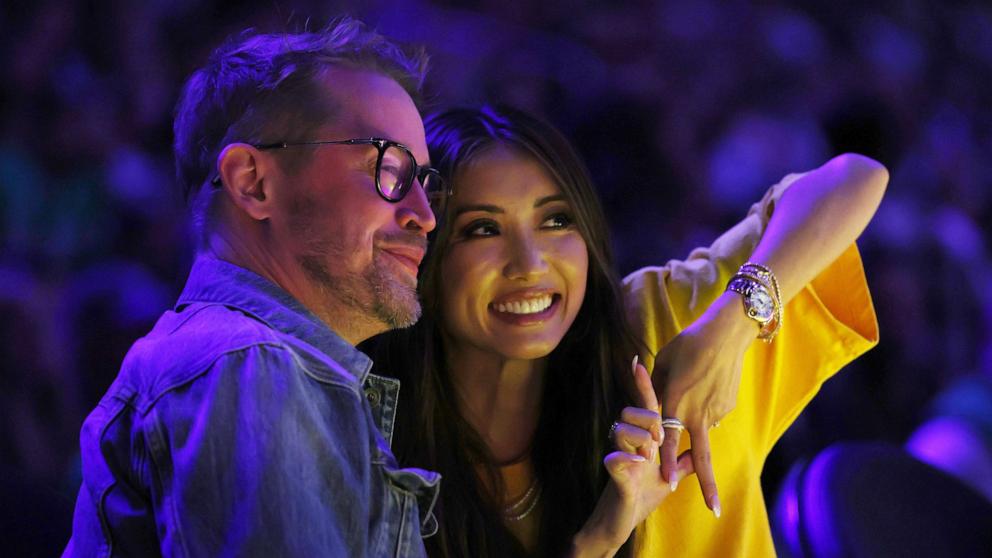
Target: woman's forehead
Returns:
[506, 175]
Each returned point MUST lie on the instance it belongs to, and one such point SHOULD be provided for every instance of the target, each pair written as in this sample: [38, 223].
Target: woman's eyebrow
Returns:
[549, 199]
[484, 208]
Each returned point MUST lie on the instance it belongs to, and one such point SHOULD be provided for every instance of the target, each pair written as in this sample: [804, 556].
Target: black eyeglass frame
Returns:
[420, 172]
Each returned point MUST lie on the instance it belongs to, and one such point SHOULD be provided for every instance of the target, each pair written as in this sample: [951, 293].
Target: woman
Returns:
[526, 332]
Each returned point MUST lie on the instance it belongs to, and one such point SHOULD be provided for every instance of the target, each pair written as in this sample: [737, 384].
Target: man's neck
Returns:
[347, 322]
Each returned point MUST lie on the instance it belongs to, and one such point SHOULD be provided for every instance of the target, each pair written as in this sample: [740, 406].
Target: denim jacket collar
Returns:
[212, 280]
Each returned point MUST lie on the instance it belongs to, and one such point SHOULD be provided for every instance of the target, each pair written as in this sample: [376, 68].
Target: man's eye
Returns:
[390, 172]
[557, 221]
[480, 228]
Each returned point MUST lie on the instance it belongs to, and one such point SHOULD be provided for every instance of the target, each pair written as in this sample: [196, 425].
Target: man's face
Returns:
[355, 249]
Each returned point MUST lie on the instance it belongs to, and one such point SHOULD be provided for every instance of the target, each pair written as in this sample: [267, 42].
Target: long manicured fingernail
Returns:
[638, 458]
[715, 505]
[633, 365]
[674, 484]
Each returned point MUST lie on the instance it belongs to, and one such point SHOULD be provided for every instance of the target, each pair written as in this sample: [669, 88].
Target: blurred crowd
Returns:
[684, 112]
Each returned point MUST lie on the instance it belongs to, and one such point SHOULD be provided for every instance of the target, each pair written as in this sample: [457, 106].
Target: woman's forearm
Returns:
[588, 546]
[818, 217]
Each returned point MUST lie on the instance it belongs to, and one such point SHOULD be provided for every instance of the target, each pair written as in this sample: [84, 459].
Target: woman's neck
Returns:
[499, 397]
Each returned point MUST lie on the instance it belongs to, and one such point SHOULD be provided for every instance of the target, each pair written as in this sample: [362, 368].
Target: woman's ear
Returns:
[241, 174]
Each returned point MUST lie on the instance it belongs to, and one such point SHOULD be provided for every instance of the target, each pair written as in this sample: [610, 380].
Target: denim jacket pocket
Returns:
[411, 493]
[382, 393]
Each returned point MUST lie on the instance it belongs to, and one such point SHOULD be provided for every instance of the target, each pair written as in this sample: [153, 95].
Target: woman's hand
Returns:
[636, 487]
[698, 374]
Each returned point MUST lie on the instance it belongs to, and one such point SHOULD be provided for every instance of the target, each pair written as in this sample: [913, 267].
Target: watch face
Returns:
[760, 305]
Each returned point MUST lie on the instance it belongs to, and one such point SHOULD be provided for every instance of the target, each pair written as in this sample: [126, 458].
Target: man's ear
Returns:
[242, 173]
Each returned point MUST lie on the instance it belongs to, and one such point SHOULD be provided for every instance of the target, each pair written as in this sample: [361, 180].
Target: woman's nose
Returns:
[527, 261]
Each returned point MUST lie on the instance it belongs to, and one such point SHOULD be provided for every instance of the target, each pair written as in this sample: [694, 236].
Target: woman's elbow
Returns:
[864, 177]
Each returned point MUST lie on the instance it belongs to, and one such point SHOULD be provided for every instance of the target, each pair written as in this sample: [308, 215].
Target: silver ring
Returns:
[613, 431]
[672, 422]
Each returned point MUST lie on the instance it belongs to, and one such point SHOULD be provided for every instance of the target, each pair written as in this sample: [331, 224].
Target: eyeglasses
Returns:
[395, 170]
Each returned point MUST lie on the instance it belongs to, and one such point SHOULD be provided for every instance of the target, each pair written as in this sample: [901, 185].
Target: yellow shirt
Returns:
[827, 325]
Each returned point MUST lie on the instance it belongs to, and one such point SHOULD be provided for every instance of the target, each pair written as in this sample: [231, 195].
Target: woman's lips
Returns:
[516, 313]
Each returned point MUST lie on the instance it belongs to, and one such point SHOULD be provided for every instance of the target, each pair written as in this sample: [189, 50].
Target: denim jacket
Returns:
[243, 426]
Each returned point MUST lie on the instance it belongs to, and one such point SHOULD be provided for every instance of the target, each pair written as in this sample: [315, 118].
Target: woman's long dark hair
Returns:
[583, 391]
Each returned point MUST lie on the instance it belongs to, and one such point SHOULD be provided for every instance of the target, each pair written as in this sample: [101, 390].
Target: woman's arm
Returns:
[818, 217]
[698, 373]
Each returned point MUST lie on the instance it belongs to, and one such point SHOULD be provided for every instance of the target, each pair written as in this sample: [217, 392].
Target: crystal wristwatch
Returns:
[759, 304]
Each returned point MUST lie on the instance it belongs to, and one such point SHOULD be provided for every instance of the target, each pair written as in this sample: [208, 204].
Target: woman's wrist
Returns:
[729, 312]
[587, 545]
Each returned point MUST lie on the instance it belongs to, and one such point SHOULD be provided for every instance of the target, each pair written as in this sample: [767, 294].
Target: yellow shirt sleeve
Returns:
[828, 324]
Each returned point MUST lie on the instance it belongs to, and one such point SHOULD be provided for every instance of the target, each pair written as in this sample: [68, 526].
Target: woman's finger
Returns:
[645, 390]
[642, 418]
[646, 396]
[684, 465]
[704, 468]
[669, 456]
[632, 439]
[618, 462]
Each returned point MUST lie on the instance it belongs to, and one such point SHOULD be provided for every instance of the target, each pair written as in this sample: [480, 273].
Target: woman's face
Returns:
[514, 274]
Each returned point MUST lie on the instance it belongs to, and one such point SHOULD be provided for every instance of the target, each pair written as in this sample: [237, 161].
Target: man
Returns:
[245, 422]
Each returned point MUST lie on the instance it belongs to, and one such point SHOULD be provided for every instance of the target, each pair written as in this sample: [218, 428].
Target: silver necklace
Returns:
[528, 501]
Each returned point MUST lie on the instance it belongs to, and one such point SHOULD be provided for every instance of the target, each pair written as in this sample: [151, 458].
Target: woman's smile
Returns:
[530, 309]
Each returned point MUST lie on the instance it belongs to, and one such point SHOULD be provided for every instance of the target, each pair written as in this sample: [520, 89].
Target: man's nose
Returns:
[414, 211]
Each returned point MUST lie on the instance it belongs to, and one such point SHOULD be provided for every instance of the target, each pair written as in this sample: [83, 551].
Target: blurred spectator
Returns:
[32, 434]
[958, 437]
[103, 310]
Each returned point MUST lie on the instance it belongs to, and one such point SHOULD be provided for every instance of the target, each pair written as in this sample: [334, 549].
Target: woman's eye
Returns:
[480, 228]
[557, 221]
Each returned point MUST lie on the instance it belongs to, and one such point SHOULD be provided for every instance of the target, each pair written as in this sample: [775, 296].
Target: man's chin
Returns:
[398, 318]
[397, 304]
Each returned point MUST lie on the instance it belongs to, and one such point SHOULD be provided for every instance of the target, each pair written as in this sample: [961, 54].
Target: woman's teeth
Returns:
[531, 306]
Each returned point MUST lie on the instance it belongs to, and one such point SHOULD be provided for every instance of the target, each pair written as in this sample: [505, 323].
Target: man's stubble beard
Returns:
[375, 291]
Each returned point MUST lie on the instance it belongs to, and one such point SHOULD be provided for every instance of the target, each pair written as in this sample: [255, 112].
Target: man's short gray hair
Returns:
[259, 88]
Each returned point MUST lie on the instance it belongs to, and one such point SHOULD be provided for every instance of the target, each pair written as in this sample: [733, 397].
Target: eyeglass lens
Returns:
[396, 170]
[437, 195]
[396, 175]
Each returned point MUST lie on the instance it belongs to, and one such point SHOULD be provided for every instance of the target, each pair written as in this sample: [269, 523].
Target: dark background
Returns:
[685, 113]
